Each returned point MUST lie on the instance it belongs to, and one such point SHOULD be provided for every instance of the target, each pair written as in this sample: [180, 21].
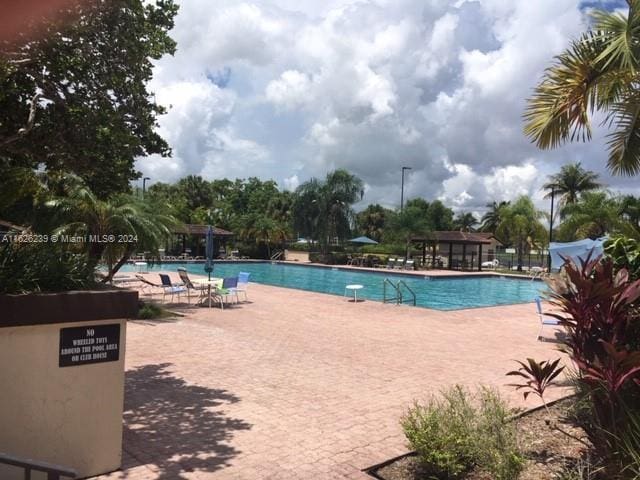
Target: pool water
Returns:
[440, 293]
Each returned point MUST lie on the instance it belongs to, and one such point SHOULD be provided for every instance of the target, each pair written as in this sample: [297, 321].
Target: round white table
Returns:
[142, 266]
[354, 288]
[215, 283]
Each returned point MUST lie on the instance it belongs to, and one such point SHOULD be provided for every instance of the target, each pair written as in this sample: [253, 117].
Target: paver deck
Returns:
[302, 385]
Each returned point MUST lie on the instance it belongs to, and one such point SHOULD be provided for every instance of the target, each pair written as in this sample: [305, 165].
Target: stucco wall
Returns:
[70, 416]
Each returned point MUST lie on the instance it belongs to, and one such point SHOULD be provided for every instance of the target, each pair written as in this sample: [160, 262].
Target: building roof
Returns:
[191, 229]
[455, 237]
[489, 236]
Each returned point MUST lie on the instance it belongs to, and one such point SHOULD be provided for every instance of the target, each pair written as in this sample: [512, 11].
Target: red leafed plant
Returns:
[597, 308]
[538, 376]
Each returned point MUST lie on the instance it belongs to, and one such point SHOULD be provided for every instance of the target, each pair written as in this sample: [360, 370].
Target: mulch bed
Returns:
[547, 450]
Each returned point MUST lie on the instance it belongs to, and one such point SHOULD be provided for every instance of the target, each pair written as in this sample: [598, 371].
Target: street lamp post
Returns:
[144, 185]
[553, 192]
[402, 189]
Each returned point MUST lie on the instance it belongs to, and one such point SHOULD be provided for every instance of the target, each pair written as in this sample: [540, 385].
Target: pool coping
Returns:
[441, 273]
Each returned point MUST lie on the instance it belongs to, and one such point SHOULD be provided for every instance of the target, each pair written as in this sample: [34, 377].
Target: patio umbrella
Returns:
[363, 241]
[209, 252]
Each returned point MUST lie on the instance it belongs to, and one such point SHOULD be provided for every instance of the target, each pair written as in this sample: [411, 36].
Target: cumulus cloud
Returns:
[289, 89]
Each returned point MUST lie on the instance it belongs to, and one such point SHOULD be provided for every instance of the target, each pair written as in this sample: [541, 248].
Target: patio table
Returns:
[214, 282]
[354, 288]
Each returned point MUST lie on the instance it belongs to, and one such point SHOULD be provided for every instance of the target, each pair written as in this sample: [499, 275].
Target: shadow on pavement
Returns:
[174, 427]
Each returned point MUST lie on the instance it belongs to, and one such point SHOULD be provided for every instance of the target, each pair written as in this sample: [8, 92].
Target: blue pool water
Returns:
[431, 292]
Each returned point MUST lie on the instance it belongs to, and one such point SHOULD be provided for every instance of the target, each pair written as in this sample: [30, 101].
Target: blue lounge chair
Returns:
[172, 288]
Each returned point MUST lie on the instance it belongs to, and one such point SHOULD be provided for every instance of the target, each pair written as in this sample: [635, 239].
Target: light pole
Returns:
[553, 192]
[402, 189]
[144, 185]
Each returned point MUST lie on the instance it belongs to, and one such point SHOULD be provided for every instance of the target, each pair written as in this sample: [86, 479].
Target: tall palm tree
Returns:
[323, 210]
[595, 215]
[520, 226]
[600, 71]
[371, 221]
[465, 222]
[570, 182]
[490, 220]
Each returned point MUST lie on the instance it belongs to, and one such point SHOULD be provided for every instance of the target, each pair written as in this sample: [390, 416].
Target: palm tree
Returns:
[597, 72]
[491, 219]
[322, 210]
[262, 229]
[113, 229]
[595, 215]
[520, 226]
[465, 222]
[570, 182]
[371, 221]
[630, 210]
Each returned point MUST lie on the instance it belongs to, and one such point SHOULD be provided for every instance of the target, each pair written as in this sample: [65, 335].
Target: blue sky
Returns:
[287, 90]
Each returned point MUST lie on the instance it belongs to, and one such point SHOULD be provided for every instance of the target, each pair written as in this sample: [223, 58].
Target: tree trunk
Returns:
[118, 265]
[520, 255]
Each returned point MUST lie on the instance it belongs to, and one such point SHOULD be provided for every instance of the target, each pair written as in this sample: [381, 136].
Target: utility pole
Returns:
[402, 189]
[144, 184]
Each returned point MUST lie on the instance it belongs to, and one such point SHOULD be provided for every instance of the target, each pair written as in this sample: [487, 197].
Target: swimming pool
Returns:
[440, 293]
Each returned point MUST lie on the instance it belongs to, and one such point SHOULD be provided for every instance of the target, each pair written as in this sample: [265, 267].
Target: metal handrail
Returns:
[398, 296]
[277, 255]
[54, 472]
[402, 283]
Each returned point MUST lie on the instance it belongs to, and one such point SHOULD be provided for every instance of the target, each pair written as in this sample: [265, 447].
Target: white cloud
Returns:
[289, 89]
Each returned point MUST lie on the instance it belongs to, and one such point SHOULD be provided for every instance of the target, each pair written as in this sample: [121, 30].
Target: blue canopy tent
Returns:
[575, 250]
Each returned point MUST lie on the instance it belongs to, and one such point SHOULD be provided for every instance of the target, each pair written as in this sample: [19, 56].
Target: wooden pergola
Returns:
[220, 235]
[451, 238]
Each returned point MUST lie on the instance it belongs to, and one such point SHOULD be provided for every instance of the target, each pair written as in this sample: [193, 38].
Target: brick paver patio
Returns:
[301, 385]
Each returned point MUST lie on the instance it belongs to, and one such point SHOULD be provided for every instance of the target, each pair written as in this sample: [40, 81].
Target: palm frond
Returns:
[618, 32]
[624, 143]
[559, 109]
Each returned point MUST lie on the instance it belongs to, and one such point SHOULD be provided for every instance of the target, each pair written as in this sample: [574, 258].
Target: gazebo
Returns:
[466, 245]
[196, 231]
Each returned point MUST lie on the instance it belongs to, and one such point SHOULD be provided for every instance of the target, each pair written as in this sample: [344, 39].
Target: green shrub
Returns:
[451, 435]
[149, 311]
[43, 267]
[496, 440]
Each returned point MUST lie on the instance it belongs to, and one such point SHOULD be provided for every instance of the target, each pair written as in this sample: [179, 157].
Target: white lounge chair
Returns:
[493, 264]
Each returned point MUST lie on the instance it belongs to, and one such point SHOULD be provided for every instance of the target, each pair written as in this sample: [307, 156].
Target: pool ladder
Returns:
[397, 289]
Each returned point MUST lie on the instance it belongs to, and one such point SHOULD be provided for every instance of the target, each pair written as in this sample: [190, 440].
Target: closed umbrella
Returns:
[209, 252]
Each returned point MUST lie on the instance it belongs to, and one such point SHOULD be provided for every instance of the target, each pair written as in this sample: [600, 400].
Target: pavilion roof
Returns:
[455, 237]
[192, 229]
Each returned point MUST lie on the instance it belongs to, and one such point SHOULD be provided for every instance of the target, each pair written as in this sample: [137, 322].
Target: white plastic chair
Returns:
[544, 318]
[241, 287]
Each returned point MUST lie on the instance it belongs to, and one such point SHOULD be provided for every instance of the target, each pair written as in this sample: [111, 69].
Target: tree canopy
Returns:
[74, 98]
